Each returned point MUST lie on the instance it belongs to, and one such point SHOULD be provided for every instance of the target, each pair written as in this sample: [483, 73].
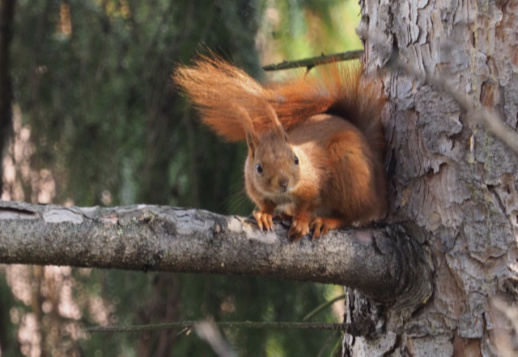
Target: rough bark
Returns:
[377, 261]
[450, 176]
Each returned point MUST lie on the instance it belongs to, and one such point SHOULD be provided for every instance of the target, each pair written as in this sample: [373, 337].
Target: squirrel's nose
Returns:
[283, 183]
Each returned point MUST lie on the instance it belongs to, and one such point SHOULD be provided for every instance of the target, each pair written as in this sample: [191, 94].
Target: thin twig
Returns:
[336, 348]
[186, 330]
[315, 61]
[322, 307]
[226, 324]
[337, 338]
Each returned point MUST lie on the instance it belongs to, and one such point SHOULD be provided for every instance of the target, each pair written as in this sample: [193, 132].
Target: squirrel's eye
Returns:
[296, 160]
[259, 168]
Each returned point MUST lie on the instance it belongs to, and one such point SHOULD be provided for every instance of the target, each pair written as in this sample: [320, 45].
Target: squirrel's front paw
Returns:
[264, 220]
[299, 228]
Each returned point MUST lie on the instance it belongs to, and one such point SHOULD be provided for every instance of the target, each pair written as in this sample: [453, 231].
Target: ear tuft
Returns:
[251, 137]
[276, 122]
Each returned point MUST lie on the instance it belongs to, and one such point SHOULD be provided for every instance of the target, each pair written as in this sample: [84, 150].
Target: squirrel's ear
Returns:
[248, 125]
[251, 142]
[276, 123]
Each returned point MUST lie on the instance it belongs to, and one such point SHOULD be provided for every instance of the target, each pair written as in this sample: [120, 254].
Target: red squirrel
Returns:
[315, 145]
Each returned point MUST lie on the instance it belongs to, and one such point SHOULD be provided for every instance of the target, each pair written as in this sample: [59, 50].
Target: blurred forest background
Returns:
[97, 122]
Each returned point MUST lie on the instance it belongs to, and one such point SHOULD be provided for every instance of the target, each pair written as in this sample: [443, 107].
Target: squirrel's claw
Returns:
[264, 220]
[319, 227]
[299, 228]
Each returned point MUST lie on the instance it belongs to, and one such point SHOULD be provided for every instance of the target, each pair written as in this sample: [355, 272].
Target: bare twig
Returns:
[226, 324]
[333, 337]
[315, 61]
[322, 307]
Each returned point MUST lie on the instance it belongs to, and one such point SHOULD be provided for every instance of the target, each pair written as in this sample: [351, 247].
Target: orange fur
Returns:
[217, 88]
[315, 143]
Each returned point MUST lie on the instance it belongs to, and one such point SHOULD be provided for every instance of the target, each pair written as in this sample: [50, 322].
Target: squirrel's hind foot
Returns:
[299, 227]
[321, 226]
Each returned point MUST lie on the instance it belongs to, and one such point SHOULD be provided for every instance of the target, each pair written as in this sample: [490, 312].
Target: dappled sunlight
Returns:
[46, 187]
[29, 336]
[20, 179]
[101, 311]
[65, 23]
[52, 312]
[16, 164]
[19, 280]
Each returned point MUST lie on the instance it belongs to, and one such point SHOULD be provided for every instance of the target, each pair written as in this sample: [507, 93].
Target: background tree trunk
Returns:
[449, 176]
[6, 92]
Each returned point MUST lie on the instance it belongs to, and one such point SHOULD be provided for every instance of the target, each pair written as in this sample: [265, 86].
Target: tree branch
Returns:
[222, 324]
[315, 61]
[384, 263]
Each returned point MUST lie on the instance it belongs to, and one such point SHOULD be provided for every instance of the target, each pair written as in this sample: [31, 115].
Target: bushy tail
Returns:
[336, 90]
[221, 91]
[217, 88]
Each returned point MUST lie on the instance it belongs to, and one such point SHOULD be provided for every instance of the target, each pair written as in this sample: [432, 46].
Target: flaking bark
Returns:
[449, 175]
[384, 263]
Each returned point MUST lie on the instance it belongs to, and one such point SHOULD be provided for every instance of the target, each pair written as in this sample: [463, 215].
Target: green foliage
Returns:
[95, 89]
[92, 79]
[307, 28]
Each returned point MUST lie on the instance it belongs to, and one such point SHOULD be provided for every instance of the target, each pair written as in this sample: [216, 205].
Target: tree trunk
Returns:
[450, 177]
[6, 92]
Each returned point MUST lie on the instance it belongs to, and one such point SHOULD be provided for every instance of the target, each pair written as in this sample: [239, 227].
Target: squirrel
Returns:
[315, 145]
